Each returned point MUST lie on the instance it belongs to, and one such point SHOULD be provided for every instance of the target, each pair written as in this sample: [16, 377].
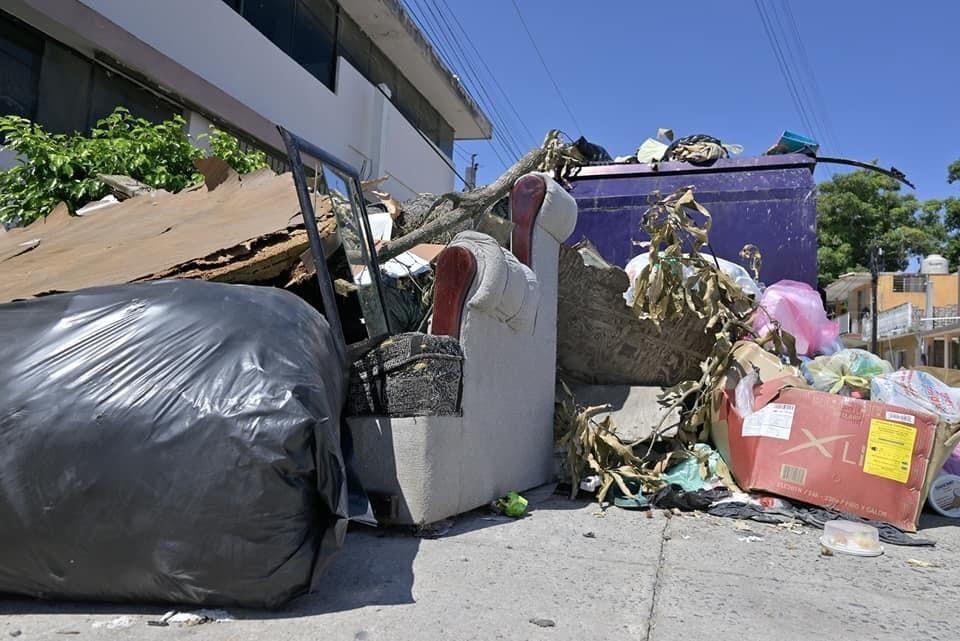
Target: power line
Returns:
[422, 24]
[474, 74]
[781, 63]
[546, 68]
[791, 62]
[444, 29]
[446, 160]
[445, 56]
[818, 96]
[490, 73]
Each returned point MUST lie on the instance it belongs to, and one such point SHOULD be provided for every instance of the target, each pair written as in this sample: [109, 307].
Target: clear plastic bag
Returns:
[849, 372]
[918, 391]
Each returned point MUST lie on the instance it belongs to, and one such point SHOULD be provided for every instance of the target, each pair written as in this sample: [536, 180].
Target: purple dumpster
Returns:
[767, 201]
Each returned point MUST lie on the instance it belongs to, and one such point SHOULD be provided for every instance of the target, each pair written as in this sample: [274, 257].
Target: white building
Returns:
[314, 66]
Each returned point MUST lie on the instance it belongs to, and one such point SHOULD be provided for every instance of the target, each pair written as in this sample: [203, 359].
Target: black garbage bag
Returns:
[169, 442]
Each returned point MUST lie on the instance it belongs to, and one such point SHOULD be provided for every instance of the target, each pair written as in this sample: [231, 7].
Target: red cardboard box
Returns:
[855, 456]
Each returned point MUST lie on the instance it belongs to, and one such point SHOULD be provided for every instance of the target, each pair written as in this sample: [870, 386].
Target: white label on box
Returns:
[903, 418]
[773, 420]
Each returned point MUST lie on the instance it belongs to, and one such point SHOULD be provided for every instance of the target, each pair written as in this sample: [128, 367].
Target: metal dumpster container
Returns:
[765, 200]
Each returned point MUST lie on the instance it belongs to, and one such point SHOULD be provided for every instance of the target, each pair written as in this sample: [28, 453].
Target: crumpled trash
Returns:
[813, 516]
[512, 505]
[735, 272]
[849, 372]
[798, 309]
[591, 152]
[793, 143]
[673, 496]
[651, 151]
[196, 617]
[918, 391]
[699, 149]
[688, 475]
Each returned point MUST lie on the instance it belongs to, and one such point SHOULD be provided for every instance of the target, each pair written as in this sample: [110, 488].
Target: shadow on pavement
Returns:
[374, 568]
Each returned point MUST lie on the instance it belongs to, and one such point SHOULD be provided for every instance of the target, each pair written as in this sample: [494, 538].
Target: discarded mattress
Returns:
[176, 441]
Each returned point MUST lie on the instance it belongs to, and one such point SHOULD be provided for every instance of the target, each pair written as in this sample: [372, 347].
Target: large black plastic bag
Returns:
[173, 441]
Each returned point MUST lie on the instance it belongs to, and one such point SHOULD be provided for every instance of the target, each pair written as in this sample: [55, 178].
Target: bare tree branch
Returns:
[471, 204]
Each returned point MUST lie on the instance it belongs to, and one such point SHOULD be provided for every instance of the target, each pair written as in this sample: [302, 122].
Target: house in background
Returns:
[355, 77]
[918, 320]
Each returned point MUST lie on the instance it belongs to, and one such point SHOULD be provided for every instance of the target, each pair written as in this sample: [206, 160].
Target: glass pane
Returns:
[110, 90]
[272, 18]
[334, 190]
[313, 39]
[351, 225]
[20, 53]
[354, 45]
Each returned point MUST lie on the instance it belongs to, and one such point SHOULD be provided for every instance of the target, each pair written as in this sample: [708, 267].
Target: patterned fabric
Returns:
[408, 375]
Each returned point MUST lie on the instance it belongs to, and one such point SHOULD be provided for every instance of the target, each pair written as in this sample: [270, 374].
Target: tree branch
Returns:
[471, 204]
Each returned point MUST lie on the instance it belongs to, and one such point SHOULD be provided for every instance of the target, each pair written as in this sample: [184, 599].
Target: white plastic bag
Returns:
[848, 372]
[737, 274]
[918, 391]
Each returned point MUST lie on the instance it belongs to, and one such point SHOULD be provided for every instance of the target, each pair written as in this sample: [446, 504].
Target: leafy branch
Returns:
[57, 167]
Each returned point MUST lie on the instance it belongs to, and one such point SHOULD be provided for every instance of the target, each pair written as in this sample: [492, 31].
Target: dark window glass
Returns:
[236, 5]
[904, 283]
[20, 55]
[354, 44]
[110, 90]
[382, 70]
[272, 18]
[313, 38]
[445, 138]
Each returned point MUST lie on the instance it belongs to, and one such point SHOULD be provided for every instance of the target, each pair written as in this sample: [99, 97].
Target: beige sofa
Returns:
[503, 308]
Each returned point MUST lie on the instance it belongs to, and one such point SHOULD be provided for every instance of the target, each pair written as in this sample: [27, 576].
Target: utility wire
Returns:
[818, 96]
[490, 73]
[475, 74]
[778, 54]
[428, 28]
[443, 28]
[446, 160]
[431, 26]
[546, 68]
[792, 64]
[422, 24]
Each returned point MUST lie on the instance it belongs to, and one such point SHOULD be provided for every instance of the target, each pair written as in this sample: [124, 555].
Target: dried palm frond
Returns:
[677, 280]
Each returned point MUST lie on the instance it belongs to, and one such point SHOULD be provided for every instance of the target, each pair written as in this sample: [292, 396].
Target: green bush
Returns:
[56, 167]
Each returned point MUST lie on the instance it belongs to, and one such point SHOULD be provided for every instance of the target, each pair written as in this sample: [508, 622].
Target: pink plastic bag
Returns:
[800, 311]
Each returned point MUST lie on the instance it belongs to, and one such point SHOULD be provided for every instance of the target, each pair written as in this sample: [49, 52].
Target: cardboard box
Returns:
[848, 454]
[747, 357]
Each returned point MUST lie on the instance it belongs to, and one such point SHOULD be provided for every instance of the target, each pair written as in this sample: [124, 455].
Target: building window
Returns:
[908, 283]
[20, 54]
[315, 32]
[272, 18]
[61, 90]
[304, 29]
[314, 39]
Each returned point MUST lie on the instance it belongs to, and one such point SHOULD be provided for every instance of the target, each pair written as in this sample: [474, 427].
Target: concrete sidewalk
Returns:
[594, 576]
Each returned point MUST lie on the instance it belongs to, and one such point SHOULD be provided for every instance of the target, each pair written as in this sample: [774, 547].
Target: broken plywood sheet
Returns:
[252, 224]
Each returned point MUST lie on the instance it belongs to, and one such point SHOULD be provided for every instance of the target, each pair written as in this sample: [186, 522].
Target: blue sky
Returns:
[887, 74]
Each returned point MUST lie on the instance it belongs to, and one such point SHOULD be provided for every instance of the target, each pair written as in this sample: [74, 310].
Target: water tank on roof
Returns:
[935, 264]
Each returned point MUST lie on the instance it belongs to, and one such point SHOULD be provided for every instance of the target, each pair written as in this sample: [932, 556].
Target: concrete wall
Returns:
[946, 289]
[210, 39]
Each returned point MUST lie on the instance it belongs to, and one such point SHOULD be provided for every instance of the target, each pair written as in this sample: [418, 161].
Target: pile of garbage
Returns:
[780, 423]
